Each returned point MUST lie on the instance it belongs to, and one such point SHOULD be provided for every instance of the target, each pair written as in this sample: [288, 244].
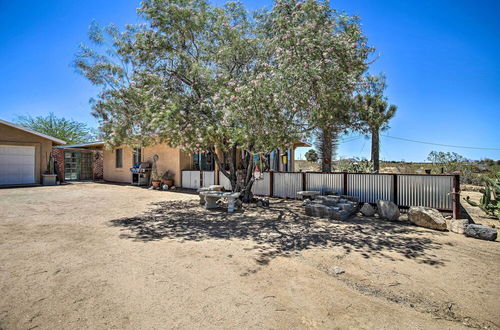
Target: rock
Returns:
[165, 187]
[320, 210]
[350, 198]
[457, 226]
[173, 188]
[367, 210]
[481, 232]
[337, 270]
[426, 217]
[388, 210]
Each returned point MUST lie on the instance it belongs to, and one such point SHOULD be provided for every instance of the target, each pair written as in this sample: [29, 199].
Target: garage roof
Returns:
[48, 137]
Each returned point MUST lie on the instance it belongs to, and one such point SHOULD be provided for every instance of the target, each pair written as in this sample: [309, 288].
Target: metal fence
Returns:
[436, 191]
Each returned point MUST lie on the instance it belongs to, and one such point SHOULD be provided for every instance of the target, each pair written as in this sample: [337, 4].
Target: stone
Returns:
[427, 217]
[330, 200]
[457, 225]
[216, 187]
[350, 198]
[367, 210]
[320, 210]
[337, 270]
[481, 232]
[388, 210]
[308, 194]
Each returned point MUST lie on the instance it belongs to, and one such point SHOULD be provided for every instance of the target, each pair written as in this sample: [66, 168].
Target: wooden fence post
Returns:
[395, 188]
[345, 183]
[304, 184]
[456, 197]
[271, 183]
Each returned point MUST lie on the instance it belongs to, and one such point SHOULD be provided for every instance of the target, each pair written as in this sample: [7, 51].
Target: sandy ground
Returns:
[98, 256]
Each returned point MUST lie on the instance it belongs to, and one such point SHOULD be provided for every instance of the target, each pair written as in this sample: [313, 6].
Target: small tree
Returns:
[67, 130]
[374, 113]
[311, 155]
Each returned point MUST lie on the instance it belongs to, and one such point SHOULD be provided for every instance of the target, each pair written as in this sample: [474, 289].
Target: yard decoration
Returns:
[155, 177]
[211, 79]
[49, 178]
[489, 202]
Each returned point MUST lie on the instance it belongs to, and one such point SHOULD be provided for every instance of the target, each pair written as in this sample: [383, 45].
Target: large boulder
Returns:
[388, 210]
[481, 232]
[457, 225]
[427, 217]
[367, 210]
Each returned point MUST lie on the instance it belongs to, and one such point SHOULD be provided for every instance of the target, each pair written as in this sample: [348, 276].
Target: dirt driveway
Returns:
[103, 256]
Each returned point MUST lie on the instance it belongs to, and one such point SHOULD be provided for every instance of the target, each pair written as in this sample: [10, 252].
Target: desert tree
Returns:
[67, 130]
[311, 155]
[373, 113]
[323, 54]
[195, 76]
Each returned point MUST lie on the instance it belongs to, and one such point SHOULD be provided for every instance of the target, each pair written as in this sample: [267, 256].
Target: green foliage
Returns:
[354, 166]
[311, 155]
[64, 129]
[489, 202]
[451, 162]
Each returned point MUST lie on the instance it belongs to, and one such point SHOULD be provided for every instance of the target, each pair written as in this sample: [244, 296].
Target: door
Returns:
[17, 164]
[77, 165]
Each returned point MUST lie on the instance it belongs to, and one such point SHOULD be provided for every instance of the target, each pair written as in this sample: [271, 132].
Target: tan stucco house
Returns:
[24, 154]
[118, 161]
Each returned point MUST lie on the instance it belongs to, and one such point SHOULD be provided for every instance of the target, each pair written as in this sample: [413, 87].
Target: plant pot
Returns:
[156, 183]
[168, 182]
[49, 179]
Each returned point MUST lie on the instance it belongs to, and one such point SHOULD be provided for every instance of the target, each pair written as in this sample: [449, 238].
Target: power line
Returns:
[439, 144]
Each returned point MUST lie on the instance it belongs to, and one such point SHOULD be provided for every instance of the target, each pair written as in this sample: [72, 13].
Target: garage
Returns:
[24, 154]
[17, 164]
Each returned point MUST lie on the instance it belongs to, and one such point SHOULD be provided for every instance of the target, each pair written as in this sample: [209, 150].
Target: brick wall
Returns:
[98, 165]
[58, 156]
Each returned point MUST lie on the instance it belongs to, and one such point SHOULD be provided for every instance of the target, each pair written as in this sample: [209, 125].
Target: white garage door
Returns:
[17, 165]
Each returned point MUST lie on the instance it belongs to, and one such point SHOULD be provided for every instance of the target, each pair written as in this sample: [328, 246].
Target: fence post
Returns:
[345, 183]
[304, 185]
[395, 188]
[456, 197]
[201, 178]
[271, 183]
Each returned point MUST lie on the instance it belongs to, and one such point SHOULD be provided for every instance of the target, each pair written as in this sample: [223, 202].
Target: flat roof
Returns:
[25, 129]
[83, 145]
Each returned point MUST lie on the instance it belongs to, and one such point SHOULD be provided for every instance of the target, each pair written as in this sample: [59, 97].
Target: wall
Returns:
[171, 159]
[43, 147]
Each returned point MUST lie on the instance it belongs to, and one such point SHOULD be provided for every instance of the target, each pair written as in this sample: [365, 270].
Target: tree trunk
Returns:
[375, 150]
[326, 150]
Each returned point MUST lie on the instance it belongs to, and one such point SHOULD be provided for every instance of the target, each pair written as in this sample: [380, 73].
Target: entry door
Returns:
[77, 165]
[17, 164]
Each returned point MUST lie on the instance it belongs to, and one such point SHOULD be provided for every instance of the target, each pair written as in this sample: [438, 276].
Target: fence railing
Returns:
[405, 190]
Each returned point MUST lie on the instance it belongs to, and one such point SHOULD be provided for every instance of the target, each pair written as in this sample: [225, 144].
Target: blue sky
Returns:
[440, 59]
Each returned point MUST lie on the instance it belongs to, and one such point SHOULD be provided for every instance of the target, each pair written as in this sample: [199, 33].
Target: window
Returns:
[136, 156]
[118, 159]
[203, 161]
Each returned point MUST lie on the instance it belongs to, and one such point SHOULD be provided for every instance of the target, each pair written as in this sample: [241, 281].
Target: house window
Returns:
[136, 156]
[119, 158]
[203, 161]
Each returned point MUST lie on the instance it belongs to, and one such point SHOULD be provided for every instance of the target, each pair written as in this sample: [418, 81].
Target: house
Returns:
[24, 154]
[118, 161]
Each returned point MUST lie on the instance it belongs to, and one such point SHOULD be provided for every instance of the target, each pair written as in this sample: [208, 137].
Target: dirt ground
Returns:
[104, 256]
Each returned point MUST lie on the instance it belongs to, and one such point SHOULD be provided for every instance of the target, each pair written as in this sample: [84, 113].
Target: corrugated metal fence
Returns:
[405, 190]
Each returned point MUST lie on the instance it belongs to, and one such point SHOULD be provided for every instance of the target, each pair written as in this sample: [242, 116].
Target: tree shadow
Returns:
[283, 229]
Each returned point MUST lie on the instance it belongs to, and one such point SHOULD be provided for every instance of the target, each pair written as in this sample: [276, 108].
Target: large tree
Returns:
[195, 76]
[374, 113]
[67, 130]
[324, 54]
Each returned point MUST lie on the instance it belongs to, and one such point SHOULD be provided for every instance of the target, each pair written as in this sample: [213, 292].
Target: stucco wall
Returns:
[43, 147]
[168, 159]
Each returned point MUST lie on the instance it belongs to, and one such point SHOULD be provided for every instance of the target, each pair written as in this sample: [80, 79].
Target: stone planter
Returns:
[49, 179]
[168, 182]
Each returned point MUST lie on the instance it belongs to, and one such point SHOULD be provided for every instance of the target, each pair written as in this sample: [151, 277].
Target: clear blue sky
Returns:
[441, 59]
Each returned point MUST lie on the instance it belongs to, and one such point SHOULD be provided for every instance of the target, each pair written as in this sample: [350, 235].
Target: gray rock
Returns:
[320, 210]
[427, 217]
[350, 198]
[367, 210]
[337, 270]
[481, 232]
[457, 226]
[388, 210]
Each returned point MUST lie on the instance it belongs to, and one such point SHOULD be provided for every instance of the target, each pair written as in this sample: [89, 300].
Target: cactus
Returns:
[489, 202]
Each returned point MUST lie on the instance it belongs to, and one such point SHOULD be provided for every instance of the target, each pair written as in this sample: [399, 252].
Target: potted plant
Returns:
[49, 177]
[155, 177]
[167, 178]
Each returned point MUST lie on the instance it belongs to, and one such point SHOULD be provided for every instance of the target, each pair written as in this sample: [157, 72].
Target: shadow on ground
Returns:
[283, 229]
